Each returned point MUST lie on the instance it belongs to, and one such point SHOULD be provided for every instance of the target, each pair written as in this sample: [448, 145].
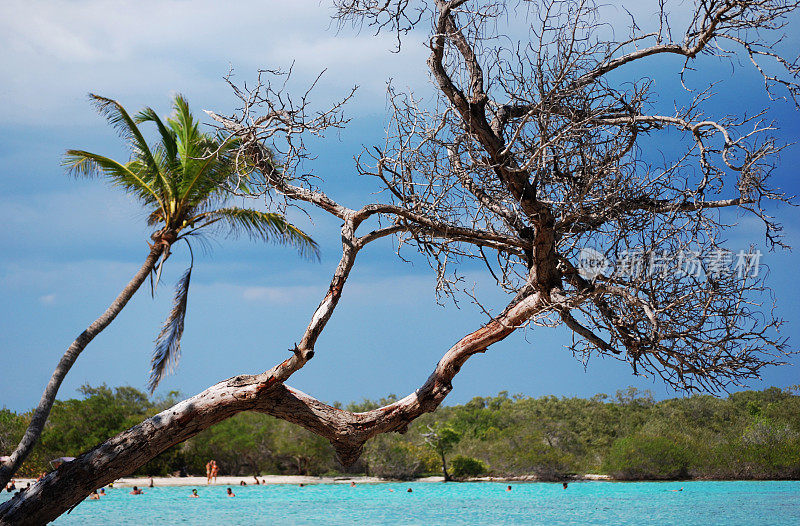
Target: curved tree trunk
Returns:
[39, 418]
[66, 487]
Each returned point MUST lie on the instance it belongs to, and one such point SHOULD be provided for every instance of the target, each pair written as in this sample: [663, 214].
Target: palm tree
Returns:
[183, 182]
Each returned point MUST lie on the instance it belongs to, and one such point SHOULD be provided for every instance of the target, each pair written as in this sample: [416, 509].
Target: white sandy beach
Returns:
[144, 482]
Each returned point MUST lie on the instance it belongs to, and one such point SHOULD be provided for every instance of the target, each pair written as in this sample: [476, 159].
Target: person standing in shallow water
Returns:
[231, 493]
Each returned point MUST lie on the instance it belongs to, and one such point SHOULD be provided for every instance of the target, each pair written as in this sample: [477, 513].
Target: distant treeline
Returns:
[748, 435]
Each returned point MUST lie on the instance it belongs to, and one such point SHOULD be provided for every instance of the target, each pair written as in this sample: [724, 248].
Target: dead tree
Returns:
[536, 148]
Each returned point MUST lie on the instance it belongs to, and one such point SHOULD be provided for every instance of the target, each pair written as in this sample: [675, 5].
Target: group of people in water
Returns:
[229, 492]
[95, 495]
[212, 470]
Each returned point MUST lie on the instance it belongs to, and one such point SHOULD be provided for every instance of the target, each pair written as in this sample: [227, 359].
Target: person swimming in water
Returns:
[194, 494]
[231, 493]
[102, 492]
[508, 488]
[94, 495]
[136, 491]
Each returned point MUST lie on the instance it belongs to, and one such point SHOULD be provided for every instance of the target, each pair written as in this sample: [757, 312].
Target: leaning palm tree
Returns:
[183, 182]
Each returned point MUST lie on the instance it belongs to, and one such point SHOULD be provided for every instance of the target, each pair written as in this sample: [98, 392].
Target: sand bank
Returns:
[143, 482]
[298, 479]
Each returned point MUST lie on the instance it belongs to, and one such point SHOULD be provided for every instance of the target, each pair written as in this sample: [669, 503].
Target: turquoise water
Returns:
[700, 503]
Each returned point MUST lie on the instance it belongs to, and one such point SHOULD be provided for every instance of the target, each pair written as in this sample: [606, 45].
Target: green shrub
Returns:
[388, 456]
[749, 435]
[517, 451]
[462, 467]
[647, 458]
[745, 460]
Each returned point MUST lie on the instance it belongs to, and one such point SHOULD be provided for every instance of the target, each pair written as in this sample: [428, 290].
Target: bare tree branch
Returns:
[534, 152]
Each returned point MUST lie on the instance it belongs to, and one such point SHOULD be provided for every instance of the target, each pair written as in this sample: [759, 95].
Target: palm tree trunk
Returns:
[39, 418]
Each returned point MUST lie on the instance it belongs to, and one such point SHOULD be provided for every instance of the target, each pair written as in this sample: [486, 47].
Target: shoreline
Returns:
[229, 480]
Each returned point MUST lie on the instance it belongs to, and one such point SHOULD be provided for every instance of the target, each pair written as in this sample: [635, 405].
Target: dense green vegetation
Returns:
[748, 435]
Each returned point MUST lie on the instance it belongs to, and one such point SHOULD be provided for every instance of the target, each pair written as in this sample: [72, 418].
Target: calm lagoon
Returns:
[700, 503]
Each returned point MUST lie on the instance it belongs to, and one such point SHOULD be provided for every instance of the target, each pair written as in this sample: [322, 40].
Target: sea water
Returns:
[700, 503]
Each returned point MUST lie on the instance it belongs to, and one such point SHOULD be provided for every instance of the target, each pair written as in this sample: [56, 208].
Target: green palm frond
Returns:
[264, 226]
[183, 115]
[167, 351]
[208, 175]
[168, 137]
[186, 130]
[170, 167]
[120, 120]
[80, 163]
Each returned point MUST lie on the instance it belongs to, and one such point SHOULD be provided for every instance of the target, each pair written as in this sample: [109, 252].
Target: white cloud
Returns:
[61, 50]
[47, 299]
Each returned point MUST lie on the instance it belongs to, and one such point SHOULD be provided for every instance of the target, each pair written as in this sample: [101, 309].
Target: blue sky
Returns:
[69, 246]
